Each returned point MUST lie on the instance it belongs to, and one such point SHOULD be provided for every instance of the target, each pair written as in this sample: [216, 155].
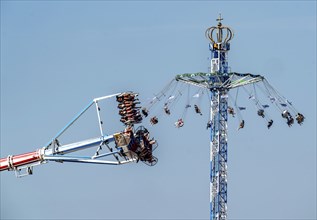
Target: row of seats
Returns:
[128, 109]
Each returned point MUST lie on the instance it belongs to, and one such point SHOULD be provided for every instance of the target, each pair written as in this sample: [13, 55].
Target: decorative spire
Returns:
[219, 19]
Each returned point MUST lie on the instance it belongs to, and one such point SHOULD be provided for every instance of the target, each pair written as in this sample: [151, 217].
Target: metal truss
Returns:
[218, 156]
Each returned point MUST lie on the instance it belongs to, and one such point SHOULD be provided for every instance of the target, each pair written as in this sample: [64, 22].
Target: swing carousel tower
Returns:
[219, 47]
[218, 83]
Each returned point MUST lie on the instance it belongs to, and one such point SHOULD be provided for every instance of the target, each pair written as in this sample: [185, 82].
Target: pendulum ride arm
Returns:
[129, 146]
[44, 155]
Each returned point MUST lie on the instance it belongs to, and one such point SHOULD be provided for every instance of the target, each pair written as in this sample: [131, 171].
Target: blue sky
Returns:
[56, 56]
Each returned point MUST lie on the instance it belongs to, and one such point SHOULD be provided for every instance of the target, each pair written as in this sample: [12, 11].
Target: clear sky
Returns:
[56, 56]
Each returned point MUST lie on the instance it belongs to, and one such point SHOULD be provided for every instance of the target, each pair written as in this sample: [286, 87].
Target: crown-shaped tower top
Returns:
[220, 33]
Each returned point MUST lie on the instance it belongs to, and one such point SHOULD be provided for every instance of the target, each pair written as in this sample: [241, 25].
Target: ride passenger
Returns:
[197, 110]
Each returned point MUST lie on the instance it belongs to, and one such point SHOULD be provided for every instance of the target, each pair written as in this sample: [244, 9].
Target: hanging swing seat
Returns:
[241, 125]
[197, 110]
[231, 111]
[154, 120]
[300, 118]
[269, 124]
[261, 113]
[179, 123]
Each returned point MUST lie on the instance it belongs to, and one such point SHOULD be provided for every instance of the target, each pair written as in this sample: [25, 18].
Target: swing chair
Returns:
[164, 102]
[241, 125]
[198, 96]
[285, 107]
[154, 120]
[231, 111]
[169, 96]
[166, 109]
[236, 110]
[180, 122]
[157, 98]
[259, 106]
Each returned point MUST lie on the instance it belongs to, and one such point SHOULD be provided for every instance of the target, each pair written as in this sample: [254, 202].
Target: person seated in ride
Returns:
[133, 143]
[290, 121]
[261, 113]
[154, 120]
[269, 124]
[124, 120]
[145, 112]
[285, 114]
[138, 118]
[132, 110]
[130, 96]
[197, 110]
[208, 124]
[128, 130]
[133, 114]
[166, 109]
[241, 125]
[121, 106]
[122, 112]
[120, 97]
[126, 95]
[145, 155]
[127, 119]
[131, 101]
[128, 108]
[124, 106]
[146, 140]
[231, 111]
[152, 141]
[146, 134]
[128, 104]
[179, 123]
[300, 118]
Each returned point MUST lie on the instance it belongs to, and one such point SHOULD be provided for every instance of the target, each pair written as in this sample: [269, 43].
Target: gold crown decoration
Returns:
[221, 30]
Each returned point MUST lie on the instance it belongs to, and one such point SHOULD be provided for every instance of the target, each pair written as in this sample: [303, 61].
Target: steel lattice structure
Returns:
[219, 81]
[130, 145]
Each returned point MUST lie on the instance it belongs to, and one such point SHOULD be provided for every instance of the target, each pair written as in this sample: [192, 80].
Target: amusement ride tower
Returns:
[219, 81]
[219, 48]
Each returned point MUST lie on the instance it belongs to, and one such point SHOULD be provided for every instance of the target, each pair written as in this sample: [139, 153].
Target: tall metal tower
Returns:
[219, 48]
[219, 81]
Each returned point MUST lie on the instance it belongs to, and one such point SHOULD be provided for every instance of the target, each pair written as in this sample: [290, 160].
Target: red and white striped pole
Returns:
[12, 162]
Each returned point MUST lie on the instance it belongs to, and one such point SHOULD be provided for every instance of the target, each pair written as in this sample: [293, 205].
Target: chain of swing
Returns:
[166, 100]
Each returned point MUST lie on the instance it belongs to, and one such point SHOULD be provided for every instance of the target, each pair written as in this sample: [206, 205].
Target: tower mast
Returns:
[219, 69]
